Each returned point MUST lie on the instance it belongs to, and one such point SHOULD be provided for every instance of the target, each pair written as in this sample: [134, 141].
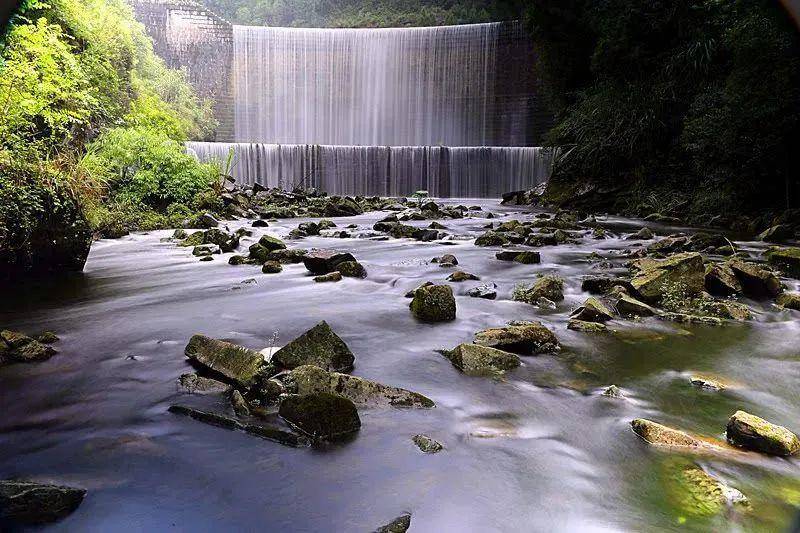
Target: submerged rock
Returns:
[754, 433]
[325, 261]
[267, 432]
[587, 327]
[310, 379]
[475, 359]
[237, 364]
[321, 415]
[28, 503]
[427, 444]
[434, 303]
[398, 525]
[326, 278]
[700, 494]
[592, 310]
[194, 384]
[319, 346]
[524, 338]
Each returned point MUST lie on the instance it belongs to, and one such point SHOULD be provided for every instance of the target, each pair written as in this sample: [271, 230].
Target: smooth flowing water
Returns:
[396, 86]
[539, 450]
[480, 172]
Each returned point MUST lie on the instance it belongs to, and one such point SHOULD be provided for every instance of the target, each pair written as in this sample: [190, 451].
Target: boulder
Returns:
[287, 256]
[352, 269]
[487, 291]
[720, 280]
[629, 306]
[319, 346]
[271, 267]
[310, 379]
[237, 364]
[29, 503]
[662, 435]
[601, 284]
[446, 259]
[592, 310]
[331, 277]
[434, 303]
[652, 277]
[528, 258]
[398, 525]
[271, 243]
[756, 282]
[226, 241]
[206, 250]
[475, 359]
[427, 444]
[550, 287]
[18, 347]
[410, 294]
[460, 276]
[789, 300]
[524, 338]
[47, 337]
[754, 433]
[321, 416]
[778, 233]
[644, 234]
[237, 260]
[207, 220]
[787, 259]
[325, 261]
[586, 327]
[508, 255]
[491, 238]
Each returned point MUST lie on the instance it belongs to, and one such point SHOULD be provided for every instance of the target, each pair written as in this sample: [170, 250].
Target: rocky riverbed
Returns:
[472, 366]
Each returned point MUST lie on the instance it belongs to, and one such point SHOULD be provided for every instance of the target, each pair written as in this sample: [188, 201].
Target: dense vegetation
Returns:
[91, 132]
[687, 107]
[354, 13]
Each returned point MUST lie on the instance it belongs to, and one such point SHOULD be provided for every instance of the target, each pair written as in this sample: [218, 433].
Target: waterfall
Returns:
[384, 170]
[372, 87]
[384, 111]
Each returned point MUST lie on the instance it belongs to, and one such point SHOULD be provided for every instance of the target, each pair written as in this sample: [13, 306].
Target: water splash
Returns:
[466, 172]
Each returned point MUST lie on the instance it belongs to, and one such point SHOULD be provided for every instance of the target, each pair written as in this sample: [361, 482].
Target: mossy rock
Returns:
[789, 300]
[271, 243]
[319, 346]
[474, 359]
[660, 435]
[653, 276]
[434, 303]
[28, 503]
[754, 433]
[593, 310]
[491, 238]
[757, 282]
[527, 338]
[352, 269]
[427, 444]
[321, 416]
[310, 379]
[236, 364]
[698, 494]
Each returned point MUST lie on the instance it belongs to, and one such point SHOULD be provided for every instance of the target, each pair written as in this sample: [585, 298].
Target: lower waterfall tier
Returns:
[465, 172]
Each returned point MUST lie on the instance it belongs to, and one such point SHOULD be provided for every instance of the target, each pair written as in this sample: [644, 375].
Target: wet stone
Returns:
[427, 444]
[321, 416]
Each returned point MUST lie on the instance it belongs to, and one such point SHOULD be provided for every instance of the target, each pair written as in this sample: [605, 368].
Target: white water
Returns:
[385, 171]
[373, 87]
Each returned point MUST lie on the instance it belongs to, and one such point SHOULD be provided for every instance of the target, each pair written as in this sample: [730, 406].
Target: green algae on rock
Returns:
[474, 359]
[754, 433]
[319, 346]
[321, 415]
[523, 338]
[427, 444]
[434, 303]
[310, 379]
[237, 364]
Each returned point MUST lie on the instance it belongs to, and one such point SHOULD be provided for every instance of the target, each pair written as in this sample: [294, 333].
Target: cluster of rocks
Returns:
[561, 228]
[16, 347]
[497, 350]
[306, 383]
[743, 430]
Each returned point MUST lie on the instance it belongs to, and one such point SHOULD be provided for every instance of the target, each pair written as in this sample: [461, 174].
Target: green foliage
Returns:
[354, 13]
[697, 97]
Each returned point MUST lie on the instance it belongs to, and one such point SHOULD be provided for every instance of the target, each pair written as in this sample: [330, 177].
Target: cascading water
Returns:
[379, 111]
[384, 170]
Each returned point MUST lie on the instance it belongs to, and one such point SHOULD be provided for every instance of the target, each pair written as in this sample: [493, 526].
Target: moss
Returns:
[434, 303]
[754, 433]
[319, 346]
